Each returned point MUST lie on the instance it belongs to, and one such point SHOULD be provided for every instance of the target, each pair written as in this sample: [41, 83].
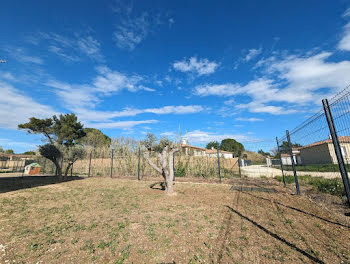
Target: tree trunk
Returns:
[67, 170]
[58, 170]
[167, 168]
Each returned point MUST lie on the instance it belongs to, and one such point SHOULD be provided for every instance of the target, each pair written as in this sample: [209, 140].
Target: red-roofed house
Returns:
[322, 152]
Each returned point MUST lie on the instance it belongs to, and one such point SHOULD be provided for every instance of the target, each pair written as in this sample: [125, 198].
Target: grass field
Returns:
[101, 220]
[317, 168]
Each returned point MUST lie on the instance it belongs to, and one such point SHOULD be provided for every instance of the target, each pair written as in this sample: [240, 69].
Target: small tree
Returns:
[265, 154]
[149, 141]
[72, 155]
[62, 133]
[9, 151]
[51, 152]
[95, 138]
[232, 145]
[165, 149]
[212, 144]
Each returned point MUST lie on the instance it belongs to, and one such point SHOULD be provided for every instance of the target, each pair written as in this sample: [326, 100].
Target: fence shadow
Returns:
[9, 184]
[298, 210]
[274, 235]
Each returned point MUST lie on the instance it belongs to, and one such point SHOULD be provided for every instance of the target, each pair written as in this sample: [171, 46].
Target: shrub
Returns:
[330, 186]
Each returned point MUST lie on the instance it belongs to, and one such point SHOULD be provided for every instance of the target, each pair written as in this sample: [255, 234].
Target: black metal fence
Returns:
[320, 146]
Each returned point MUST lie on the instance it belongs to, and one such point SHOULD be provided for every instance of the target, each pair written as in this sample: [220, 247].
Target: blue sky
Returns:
[248, 70]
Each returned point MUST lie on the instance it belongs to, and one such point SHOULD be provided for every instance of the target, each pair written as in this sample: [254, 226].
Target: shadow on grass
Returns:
[158, 186]
[9, 184]
[291, 245]
[298, 210]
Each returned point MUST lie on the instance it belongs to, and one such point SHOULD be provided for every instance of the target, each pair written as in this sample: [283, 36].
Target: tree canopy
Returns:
[63, 130]
[284, 147]
[62, 133]
[211, 144]
[95, 138]
[9, 151]
[232, 145]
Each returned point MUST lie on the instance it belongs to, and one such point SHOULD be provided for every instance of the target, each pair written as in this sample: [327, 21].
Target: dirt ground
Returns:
[101, 220]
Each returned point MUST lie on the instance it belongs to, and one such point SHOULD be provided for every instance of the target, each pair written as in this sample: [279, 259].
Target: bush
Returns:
[180, 170]
[330, 186]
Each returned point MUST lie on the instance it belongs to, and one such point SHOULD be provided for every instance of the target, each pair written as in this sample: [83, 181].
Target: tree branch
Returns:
[152, 164]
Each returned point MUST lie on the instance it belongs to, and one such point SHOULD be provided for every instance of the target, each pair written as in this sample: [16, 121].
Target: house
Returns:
[189, 150]
[322, 152]
[214, 153]
[286, 159]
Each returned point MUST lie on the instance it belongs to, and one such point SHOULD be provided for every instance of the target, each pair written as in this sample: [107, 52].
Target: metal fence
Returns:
[320, 146]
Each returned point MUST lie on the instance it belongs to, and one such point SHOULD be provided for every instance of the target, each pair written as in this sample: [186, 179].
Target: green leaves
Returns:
[50, 152]
[232, 145]
[212, 144]
[64, 130]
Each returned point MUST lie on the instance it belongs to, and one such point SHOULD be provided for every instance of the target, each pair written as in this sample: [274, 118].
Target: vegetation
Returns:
[62, 134]
[316, 167]
[330, 186]
[284, 147]
[95, 138]
[228, 144]
[9, 151]
[232, 145]
[260, 151]
[212, 144]
[29, 153]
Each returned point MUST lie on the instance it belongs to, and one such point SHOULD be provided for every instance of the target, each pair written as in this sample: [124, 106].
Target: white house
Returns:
[286, 159]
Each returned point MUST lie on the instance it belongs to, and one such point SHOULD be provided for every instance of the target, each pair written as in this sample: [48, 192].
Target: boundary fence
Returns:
[320, 144]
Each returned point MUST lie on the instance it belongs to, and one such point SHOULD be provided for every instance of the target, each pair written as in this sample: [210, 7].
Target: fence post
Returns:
[239, 167]
[90, 163]
[174, 165]
[293, 164]
[44, 167]
[218, 154]
[71, 171]
[341, 164]
[138, 165]
[112, 162]
[279, 152]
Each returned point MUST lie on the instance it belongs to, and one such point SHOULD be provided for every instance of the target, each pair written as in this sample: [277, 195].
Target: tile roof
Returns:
[342, 139]
[194, 147]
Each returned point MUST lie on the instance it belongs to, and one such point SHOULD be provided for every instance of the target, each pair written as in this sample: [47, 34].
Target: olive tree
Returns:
[165, 150]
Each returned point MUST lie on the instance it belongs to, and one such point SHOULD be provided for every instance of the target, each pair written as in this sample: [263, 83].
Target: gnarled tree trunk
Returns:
[167, 168]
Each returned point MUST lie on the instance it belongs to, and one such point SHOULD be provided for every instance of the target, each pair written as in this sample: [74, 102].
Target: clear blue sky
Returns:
[248, 70]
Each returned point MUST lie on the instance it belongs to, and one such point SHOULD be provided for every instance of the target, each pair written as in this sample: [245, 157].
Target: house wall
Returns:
[228, 155]
[319, 154]
[222, 155]
[286, 160]
[346, 155]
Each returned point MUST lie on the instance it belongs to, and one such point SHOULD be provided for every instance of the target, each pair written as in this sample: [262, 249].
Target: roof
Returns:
[33, 165]
[285, 155]
[342, 139]
[210, 151]
[194, 147]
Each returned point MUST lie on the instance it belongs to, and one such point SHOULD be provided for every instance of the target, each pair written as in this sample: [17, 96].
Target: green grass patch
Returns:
[330, 186]
[315, 167]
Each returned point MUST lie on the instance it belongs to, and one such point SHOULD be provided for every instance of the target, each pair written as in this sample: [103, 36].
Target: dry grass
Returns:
[127, 166]
[101, 220]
